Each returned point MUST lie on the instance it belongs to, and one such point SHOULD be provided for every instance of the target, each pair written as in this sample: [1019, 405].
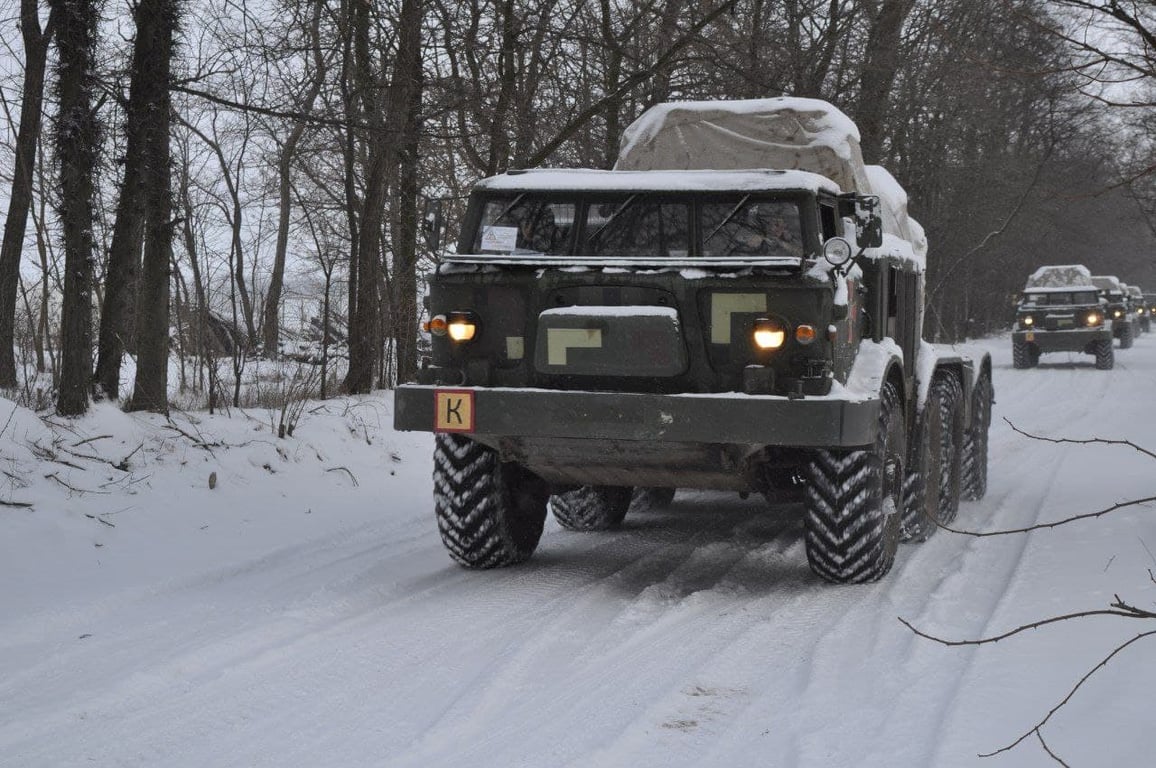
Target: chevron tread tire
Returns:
[853, 502]
[591, 507]
[490, 514]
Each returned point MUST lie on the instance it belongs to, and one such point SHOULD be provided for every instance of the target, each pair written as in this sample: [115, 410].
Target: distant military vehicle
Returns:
[1119, 308]
[1140, 307]
[753, 327]
[1060, 310]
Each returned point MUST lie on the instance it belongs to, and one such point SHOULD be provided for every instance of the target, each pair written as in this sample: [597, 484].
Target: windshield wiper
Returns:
[726, 220]
[625, 204]
[509, 207]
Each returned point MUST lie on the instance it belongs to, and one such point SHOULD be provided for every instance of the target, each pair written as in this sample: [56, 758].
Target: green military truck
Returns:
[1140, 306]
[1061, 310]
[755, 327]
[1118, 308]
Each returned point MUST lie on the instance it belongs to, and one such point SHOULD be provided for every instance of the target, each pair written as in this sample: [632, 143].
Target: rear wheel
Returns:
[591, 507]
[490, 514]
[853, 502]
[973, 483]
[1105, 355]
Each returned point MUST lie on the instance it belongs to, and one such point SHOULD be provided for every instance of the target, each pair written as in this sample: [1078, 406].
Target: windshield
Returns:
[751, 228]
[638, 225]
[1059, 299]
[526, 226]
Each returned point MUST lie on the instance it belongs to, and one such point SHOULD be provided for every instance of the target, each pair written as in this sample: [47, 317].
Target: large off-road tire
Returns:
[854, 500]
[651, 499]
[1105, 354]
[490, 514]
[931, 487]
[1022, 355]
[591, 507]
[1127, 336]
[973, 480]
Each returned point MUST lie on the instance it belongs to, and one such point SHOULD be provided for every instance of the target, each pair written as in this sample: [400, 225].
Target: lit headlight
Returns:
[462, 326]
[1027, 321]
[1117, 313]
[1093, 319]
[769, 334]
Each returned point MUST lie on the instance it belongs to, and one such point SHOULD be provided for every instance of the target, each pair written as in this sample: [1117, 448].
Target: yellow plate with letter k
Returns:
[453, 410]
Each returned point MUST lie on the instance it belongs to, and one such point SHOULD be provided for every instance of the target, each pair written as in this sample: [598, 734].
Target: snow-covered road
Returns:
[304, 613]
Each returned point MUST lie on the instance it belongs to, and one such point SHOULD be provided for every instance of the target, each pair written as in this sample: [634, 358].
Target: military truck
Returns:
[1140, 307]
[1119, 308]
[1060, 310]
[755, 327]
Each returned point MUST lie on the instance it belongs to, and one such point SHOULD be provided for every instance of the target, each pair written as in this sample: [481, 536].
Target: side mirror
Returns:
[868, 222]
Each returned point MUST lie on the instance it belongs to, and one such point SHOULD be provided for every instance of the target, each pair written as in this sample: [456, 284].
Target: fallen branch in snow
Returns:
[79, 443]
[16, 504]
[1073, 518]
[1118, 608]
[73, 488]
[346, 471]
[198, 440]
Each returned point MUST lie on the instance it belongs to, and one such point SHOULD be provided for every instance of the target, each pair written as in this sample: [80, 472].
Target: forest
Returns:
[196, 187]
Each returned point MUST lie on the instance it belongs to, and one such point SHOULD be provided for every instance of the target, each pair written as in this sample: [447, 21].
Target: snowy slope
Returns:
[290, 617]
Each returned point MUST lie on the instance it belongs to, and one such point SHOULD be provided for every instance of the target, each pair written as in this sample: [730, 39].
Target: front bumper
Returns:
[1074, 340]
[724, 418]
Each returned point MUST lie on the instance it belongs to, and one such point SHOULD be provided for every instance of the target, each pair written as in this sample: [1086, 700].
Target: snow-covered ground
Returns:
[304, 613]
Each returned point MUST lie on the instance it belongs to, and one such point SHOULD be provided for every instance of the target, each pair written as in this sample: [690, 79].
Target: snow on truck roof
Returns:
[1074, 276]
[583, 179]
[1107, 283]
[787, 133]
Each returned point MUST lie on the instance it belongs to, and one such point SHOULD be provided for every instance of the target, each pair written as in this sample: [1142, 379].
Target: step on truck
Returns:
[1060, 310]
[738, 305]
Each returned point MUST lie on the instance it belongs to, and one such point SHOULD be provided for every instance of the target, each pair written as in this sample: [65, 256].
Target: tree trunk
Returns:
[406, 107]
[880, 65]
[27, 138]
[364, 317]
[158, 20]
[117, 315]
[271, 323]
[77, 145]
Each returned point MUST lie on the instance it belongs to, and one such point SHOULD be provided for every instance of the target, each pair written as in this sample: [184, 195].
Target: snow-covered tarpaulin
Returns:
[785, 133]
[1061, 276]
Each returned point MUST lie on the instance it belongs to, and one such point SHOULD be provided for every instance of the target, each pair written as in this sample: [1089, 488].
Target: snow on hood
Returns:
[787, 133]
[586, 179]
[1061, 276]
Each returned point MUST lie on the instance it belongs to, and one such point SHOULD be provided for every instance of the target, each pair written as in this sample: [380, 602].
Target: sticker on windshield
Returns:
[504, 239]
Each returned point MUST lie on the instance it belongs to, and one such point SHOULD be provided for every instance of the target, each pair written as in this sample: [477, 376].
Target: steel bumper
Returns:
[1074, 340]
[728, 418]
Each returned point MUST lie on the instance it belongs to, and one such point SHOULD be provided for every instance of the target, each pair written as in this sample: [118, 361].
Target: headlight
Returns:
[1027, 321]
[1093, 319]
[462, 326]
[1117, 313]
[769, 334]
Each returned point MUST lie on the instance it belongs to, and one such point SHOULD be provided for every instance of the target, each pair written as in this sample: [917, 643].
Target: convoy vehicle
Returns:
[754, 327]
[1141, 307]
[1060, 310]
[1119, 308]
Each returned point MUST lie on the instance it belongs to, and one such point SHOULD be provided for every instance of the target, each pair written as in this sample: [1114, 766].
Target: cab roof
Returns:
[588, 180]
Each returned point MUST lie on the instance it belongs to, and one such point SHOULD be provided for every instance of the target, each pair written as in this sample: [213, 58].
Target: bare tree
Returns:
[157, 22]
[36, 43]
[77, 143]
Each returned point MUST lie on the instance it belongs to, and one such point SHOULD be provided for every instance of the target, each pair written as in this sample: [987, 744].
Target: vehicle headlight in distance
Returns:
[1117, 313]
[769, 334]
[1027, 321]
[1093, 319]
[462, 326]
